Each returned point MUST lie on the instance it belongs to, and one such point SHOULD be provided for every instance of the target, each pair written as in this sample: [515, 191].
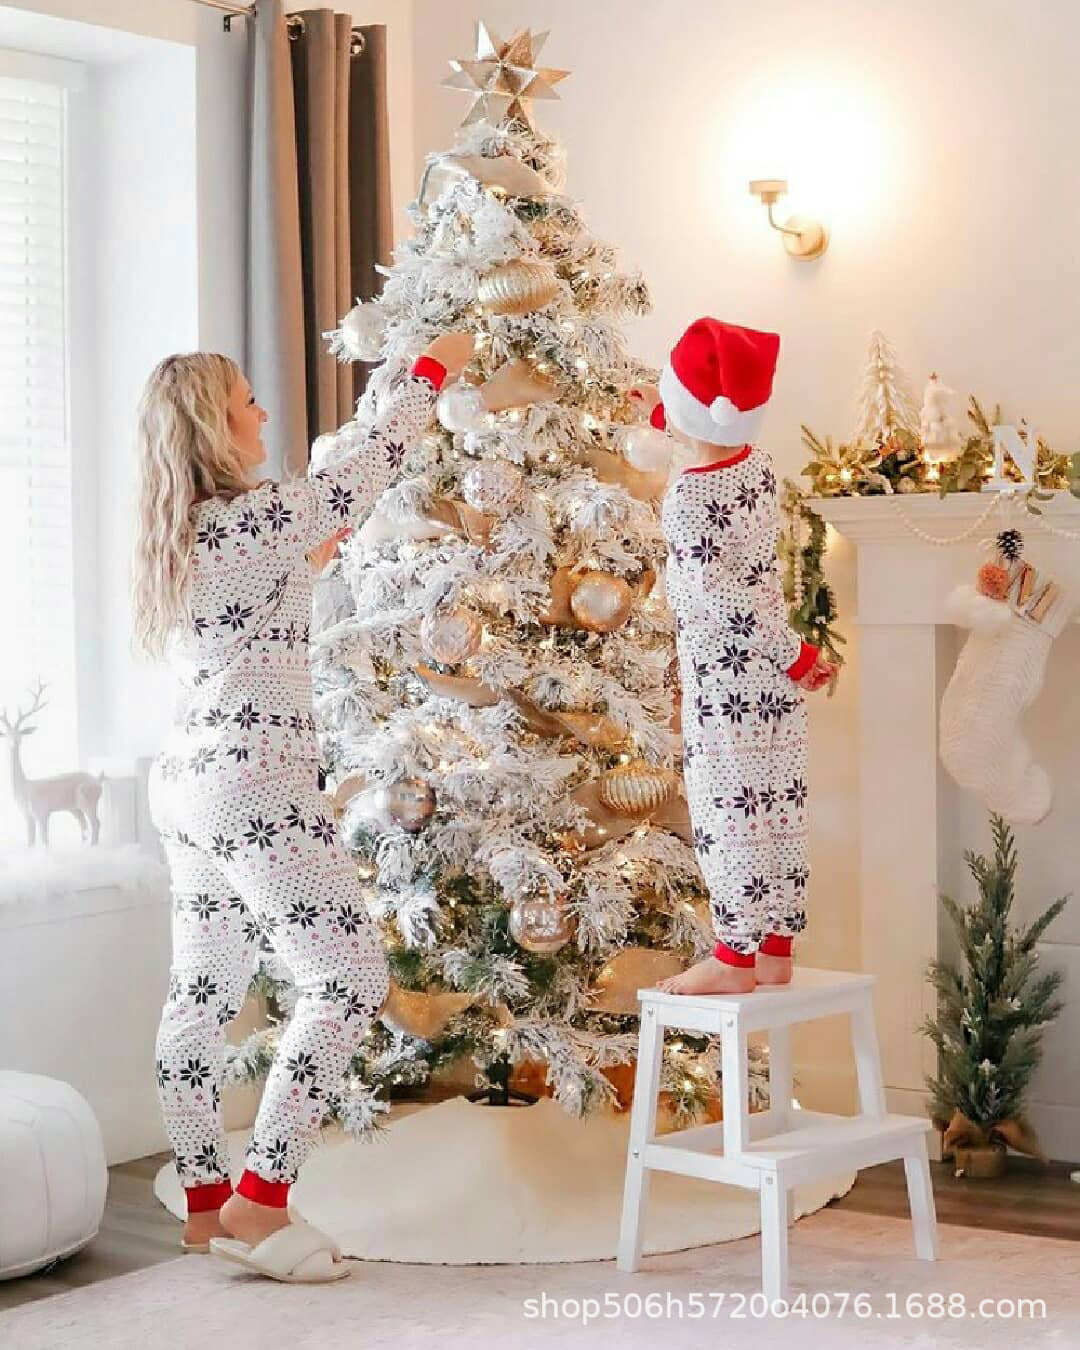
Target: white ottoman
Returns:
[52, 1172]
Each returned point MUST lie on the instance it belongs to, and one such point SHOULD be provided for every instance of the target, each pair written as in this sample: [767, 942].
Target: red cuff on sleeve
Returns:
[431, 370]
[808, 654]
[658, 418]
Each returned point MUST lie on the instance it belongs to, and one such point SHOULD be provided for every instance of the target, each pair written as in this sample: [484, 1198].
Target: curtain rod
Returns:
[294, 21]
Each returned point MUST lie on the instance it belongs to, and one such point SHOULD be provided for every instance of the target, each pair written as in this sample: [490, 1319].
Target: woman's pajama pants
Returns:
[745, 767]
[244, 866]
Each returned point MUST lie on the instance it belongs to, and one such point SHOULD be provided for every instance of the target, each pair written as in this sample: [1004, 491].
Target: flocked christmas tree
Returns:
[494, 668]
[886, 403]
[990, 1015]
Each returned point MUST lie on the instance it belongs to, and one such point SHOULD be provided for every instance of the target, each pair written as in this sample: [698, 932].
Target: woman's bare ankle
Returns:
[251, 1222]
[201, 1227]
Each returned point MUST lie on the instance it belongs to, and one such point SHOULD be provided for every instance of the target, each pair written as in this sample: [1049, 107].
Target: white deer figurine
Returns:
[38, 798]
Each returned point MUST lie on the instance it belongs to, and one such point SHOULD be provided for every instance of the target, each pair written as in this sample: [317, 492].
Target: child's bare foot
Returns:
[711, 977]
[250, 1222]
[200, 1228]
[772, 969]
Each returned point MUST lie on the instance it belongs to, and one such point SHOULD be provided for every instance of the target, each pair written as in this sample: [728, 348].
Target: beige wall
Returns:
[937, 142]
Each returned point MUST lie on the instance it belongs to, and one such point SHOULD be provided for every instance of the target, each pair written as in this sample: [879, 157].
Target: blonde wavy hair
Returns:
[185, 453]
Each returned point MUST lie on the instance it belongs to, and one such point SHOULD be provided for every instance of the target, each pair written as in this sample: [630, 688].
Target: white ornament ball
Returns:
[646, 448]
[492, 486]
[461, 407]
[363, 331]
[451, 637]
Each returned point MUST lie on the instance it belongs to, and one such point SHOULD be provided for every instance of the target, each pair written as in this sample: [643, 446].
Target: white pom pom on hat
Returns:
[717, 381]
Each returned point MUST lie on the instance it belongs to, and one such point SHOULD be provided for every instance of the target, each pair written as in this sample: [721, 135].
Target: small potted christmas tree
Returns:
[988, 1030]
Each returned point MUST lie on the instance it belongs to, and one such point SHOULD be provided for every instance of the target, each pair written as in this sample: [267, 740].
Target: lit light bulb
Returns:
[846, 475]
[581, 363]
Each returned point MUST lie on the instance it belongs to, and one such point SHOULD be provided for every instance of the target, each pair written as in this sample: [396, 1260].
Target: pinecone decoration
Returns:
[1010, 544]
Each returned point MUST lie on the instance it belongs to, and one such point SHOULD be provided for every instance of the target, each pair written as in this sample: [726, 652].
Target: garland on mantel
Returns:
[887, 457]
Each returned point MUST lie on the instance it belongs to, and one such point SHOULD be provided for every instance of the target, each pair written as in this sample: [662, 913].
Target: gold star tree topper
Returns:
[503, 77]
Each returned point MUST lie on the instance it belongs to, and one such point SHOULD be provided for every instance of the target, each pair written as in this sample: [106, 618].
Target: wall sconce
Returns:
[805, 239]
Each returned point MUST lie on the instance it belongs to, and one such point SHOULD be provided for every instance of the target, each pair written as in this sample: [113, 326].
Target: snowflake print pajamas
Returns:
[250, 841]
[744, 719]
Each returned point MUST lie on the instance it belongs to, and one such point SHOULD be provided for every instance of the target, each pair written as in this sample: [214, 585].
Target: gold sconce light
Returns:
[803, 239]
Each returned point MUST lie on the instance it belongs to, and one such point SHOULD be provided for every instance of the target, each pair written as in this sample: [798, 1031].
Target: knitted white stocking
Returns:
[998, 674]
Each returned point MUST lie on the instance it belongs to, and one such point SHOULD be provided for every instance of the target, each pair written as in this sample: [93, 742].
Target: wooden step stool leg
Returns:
[867, 1059]
[921, 1200]
[774, 1237]
[642, 1128]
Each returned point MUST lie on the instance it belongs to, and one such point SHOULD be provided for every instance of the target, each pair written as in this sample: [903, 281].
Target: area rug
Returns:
[462, 1184]
[198, 1301]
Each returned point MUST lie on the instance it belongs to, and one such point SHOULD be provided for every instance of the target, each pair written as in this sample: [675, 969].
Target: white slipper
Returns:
[297, 1254]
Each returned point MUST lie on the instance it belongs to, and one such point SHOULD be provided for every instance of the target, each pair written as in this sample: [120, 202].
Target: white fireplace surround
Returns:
[908, 852]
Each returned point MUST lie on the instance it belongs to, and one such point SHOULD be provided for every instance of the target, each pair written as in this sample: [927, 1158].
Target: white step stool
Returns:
[770, 1151]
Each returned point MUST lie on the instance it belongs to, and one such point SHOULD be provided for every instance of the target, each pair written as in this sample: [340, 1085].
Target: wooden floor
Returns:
[137, 1231]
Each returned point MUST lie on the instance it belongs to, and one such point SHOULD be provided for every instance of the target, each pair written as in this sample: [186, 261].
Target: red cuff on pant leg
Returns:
[202, 1199]
[253, 1187]
[427, 368]
[775, 945]
[724, 953]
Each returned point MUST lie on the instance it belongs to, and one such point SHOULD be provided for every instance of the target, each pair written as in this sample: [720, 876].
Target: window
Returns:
[37, 593]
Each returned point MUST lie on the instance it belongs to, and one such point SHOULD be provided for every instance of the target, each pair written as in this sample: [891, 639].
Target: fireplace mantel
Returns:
[905, 657]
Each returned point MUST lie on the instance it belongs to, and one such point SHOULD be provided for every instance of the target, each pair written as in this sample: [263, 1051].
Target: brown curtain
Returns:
[320, 213]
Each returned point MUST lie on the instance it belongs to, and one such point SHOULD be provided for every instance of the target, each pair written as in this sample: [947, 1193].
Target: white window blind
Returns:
[37, 593]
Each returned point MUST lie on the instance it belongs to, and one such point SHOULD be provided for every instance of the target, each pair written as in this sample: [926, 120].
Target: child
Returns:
[741, 666]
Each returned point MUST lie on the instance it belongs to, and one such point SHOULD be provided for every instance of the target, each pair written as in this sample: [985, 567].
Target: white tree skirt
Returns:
[464, 1184]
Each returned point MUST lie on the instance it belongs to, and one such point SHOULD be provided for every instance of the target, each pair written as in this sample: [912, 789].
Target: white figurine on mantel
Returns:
[937, 427]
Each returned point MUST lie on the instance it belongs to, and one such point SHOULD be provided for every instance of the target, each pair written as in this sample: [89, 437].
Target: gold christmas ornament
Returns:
[636, 789]
[503, 77]
[418, 1014]
[411, 802]
[541, 923]
[634, 968]
[451, 637]
[517, 287]
[601, 601]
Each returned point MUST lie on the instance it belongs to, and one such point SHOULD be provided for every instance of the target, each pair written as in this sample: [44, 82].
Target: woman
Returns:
[222, 588]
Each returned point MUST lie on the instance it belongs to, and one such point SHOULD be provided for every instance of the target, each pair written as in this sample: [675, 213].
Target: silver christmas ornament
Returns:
[451, 637]
[492, 486]
[363, 331]
[460, 407]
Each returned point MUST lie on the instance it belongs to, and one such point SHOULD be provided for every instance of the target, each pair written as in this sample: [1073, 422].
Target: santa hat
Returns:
[717, 381]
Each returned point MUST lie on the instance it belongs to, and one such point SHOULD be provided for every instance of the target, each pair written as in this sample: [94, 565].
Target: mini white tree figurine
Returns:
[937, 427]
[886, 404]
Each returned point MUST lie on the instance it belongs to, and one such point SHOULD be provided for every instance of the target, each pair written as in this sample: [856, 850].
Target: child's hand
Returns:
[821, 673]
[453, 351]
[646, 397]
[322, 555]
